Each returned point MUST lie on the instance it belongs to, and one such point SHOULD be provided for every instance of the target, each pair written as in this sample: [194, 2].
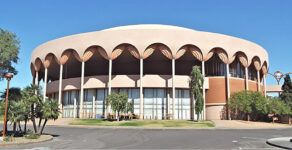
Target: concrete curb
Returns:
[164, 128]
[282, 142]
[28, 141]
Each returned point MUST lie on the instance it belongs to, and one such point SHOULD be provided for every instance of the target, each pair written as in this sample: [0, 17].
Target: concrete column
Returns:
[173, 89]
[228, 89]
[81, 91]
[168, 103]
[227, 78]
[141, 91]
[36, 80]
[204, 91]
[109, 85]
[93, 103]
[60, 90]
[259, 81]
[75, 105]
[265, 86]
[246, 78]
[45, 84]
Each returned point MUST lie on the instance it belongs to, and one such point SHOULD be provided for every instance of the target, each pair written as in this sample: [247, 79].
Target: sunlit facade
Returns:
[152, 64]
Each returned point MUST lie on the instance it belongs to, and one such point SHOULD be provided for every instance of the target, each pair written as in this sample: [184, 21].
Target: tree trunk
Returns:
[40, 122]
[25, 122]
[118, 118]
[42, 129]
[14, 127]
[32, 118]
[248, 117]
[19, 126]
[192, 108]
[198, 117]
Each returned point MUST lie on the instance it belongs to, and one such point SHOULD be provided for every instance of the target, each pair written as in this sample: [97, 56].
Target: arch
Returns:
[256, 62]
[196, 52]
[241, 57]
[49, 58]
[265, 68]
[220, 52]
[187, 57]
[165, 50]
[125, 60]
[237, 64]
[66, 55]
[96, 61]
[118, 50]
[72, 64]
[32, 69]
[38, 64]
[89, 52]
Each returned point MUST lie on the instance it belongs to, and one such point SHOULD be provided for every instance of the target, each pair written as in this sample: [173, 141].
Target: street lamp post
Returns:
[278, 75]
[8, 77]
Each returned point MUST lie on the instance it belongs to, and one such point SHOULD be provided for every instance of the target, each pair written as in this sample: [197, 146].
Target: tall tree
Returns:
[196, 84]
[286, 95]
[9, 49]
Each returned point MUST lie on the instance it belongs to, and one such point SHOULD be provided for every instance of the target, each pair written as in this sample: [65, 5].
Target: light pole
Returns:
[278, 75]
[8, 77]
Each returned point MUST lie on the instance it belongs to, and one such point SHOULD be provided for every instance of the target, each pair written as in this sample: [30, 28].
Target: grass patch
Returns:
[143, 123]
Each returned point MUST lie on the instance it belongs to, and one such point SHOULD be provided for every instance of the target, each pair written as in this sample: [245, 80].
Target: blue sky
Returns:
[267, 23]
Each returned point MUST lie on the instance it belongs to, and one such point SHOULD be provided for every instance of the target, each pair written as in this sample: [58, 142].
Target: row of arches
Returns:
[156, 60]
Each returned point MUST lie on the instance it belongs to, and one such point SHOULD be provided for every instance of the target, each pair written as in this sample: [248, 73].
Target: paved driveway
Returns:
[94, 138]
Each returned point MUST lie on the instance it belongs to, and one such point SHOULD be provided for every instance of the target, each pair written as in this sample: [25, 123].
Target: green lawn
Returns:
[143, 123]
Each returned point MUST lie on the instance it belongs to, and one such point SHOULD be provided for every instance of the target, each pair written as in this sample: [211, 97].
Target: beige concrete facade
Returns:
[142, 41]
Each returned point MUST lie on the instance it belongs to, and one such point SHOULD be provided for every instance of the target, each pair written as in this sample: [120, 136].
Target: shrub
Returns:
[9, 138]
[31, 135]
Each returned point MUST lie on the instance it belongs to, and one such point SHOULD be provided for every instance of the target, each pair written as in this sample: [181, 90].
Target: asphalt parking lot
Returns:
[114, 138]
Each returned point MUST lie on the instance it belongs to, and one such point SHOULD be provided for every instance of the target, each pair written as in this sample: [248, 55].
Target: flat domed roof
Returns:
[146, 26]
[142, 36]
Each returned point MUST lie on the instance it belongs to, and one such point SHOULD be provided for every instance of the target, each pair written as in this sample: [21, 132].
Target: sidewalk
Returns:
[220, 124]
[58, 122]
[240, 124]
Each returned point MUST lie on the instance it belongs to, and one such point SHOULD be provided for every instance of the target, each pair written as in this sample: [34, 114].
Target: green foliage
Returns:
[241, 101]
[286, 95]
[31, 94]
[130, 107]
[9, 49]
[278, 107]
[50, 109]
[256, 105]
[16, 111]
[14, 94]
[30, 135]
[118, 102]
[196, 84]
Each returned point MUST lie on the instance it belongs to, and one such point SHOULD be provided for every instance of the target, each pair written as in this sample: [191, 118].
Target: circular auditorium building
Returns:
[152, 64]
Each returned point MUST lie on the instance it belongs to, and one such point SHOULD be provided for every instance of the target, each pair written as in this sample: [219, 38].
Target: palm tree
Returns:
[16, 113]
[196, 83]
[31, 95]
[49, 110]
